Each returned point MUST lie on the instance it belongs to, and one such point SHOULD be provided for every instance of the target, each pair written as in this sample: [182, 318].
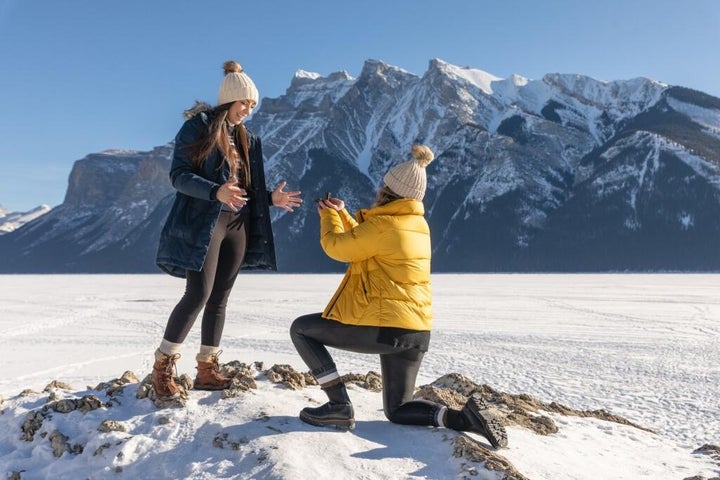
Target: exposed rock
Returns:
[64, 406]
[242, 378]
[459, 383]
[33, 422]
[111, 426]
[601, 414]
[116, 386]
[101, 449]
[238, 386]
[453, 389]
[714, 452]
[55, 384]
[467, 448]
[84, 404]
[221, 441]
[59, 443]
[444, 396]
[286, 375]
[235, 368]
[708, 449]
[370, 381]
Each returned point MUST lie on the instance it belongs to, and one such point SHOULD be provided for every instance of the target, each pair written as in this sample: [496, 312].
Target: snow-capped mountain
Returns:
[565, 173]
[10, 221]
[99, 227]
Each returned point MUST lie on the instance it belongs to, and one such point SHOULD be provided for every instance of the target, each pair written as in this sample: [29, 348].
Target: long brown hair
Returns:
[216, 136]
[385, 196]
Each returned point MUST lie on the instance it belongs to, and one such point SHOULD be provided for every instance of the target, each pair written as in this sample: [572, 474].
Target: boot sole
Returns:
[165, 398]
[344, 424]
[198, 386]
[487, 424]
[171, 396]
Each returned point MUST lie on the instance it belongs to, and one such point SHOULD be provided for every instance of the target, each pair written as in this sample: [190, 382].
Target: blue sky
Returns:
[82, 76]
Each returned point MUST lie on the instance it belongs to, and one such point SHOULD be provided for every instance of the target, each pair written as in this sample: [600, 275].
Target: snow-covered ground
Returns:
[646, 347]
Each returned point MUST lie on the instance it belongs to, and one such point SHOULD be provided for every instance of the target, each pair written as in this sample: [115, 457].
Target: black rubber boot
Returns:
[338, 415]
[336, 392]
[481, 420]
[338, 412]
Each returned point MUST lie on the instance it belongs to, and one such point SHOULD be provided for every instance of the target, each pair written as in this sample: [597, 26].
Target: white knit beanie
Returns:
[409, 179]
[236, 85]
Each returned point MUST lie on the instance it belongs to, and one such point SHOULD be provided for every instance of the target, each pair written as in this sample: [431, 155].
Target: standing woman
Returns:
[383, 306]
[218, 224]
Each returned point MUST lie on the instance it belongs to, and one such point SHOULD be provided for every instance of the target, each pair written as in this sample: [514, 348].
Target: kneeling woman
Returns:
[383, 306]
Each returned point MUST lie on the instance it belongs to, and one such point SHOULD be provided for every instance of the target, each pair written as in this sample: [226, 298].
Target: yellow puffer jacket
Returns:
[388, 281]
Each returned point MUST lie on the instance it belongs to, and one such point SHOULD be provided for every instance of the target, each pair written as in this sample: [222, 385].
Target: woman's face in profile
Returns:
[240, 110]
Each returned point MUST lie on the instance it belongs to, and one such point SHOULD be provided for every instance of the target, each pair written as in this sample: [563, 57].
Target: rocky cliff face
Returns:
[110, 197]
[565, 173]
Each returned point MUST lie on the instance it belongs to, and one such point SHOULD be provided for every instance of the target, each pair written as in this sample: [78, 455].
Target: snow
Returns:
[499, 177]
[645, 347]
[10, 221]
[307, 75]
[312, 88]
[481, 79]
[704, 116]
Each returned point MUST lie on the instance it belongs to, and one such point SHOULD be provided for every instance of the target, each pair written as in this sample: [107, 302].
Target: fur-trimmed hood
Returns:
[199, 107]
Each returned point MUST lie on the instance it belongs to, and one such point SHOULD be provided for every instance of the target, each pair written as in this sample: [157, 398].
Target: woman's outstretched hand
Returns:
[232, 195]
[286, 200]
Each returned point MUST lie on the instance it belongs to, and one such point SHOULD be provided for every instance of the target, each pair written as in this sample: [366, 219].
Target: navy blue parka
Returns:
[185, 238]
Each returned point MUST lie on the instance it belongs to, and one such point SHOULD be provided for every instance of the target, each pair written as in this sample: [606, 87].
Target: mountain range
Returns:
[566, 173]
[11, 221]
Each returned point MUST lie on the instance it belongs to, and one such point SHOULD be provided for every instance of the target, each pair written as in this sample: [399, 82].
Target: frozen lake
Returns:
[646, 347]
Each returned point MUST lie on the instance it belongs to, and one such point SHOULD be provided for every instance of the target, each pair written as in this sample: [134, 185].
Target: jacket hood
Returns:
[199, 107]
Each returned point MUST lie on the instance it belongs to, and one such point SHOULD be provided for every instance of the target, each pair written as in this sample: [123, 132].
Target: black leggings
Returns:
[210, 287]
[399, 365]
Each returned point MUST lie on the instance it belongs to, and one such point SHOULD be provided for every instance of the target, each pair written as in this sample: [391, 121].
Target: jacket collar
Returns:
[403, 206]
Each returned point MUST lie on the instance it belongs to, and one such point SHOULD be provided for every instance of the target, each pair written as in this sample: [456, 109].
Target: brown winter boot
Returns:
[163, 380]
[209, 376]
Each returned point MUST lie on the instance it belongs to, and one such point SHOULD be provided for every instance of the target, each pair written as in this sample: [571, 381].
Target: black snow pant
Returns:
[399, 362]
[210, 287]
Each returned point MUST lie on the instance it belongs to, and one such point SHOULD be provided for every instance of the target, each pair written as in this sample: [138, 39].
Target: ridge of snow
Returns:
[11, 221]
[708, 118]
[309, 75]
[479, 78]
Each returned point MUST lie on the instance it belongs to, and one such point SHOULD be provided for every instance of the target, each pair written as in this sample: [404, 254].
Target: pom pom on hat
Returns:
[409, 179]
[231, 66]
[422, 155]
[236, 85]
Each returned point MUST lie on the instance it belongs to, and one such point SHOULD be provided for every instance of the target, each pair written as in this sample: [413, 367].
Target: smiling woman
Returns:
[218, 224]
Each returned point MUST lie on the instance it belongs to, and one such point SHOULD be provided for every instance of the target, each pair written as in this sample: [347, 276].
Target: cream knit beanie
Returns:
[409, 179]
[236, 85]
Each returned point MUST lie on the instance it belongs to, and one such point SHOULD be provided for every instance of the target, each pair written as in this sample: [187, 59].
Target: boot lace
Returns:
[215, 361]
[170, 365]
